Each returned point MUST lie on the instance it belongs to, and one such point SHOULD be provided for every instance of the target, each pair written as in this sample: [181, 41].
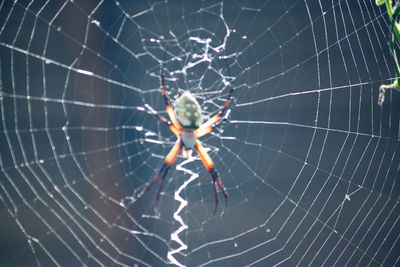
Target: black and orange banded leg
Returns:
[208, 163]
[208, 126]
[169, 161]
[164, 120]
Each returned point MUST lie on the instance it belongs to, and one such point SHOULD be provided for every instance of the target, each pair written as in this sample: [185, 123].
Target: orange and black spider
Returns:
[186, 123]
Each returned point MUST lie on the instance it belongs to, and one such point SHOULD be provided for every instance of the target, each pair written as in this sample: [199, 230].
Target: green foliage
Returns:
[380, 2]
[393, 13]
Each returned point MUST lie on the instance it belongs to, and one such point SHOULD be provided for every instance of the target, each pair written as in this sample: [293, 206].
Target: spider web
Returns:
[308, 158]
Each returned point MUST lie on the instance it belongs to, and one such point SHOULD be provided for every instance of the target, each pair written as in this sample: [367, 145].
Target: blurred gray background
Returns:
[309, 160]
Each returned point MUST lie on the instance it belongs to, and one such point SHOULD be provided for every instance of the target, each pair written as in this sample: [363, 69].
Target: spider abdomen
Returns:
[188, 111]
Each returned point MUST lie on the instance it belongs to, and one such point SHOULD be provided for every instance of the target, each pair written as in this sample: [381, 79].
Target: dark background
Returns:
[309, 160]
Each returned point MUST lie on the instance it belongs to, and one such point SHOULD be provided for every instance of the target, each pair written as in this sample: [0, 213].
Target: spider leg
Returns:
[164, 120]
[168, 105]
[208, 126]
[208, 163]
[203, 131]
[169, 161]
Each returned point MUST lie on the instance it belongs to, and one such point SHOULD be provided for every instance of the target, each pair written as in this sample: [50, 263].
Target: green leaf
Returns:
[379, 2]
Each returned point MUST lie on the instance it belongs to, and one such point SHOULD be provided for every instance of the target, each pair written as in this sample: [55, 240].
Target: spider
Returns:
[186, 123]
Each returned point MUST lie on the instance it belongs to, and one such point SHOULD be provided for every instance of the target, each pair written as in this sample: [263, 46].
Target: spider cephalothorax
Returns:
[186, 123]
